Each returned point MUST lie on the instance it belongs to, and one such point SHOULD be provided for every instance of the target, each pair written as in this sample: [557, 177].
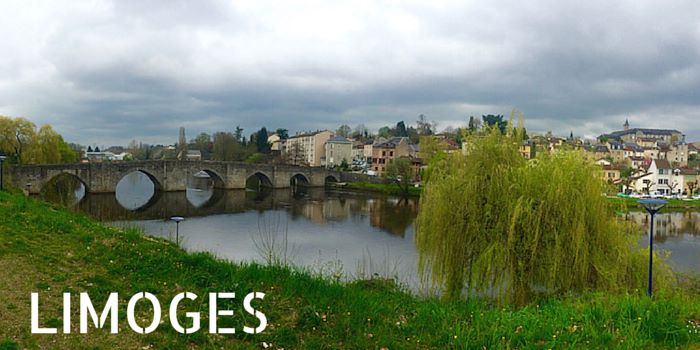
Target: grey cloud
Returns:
[141, 69]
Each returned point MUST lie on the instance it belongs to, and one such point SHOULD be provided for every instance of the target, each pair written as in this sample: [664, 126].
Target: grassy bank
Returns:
[385, 188]
[49, 250]
[632, 203]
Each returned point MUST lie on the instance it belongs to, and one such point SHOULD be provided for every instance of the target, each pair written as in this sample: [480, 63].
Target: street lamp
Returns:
[177, 220]
[2, 159]
[652, 206]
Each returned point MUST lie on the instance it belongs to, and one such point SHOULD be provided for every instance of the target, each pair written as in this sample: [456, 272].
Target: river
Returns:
[338, 234]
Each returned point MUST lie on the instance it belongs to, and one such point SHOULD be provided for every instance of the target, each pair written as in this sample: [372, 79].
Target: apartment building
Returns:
[308, 147]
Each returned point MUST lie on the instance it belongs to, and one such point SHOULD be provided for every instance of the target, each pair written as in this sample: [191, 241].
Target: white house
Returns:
[660, 179]
[106, 156]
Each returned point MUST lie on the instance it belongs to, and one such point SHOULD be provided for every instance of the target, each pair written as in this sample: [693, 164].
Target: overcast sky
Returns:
[106, 72]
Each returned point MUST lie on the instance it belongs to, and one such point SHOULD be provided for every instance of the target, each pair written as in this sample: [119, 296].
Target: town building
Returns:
[308, 147]
[106, 156]
[275, 142]
[383, 153]
[643, 136]
[190, 155]
[337, 149]
[659, 179]
[611, 173]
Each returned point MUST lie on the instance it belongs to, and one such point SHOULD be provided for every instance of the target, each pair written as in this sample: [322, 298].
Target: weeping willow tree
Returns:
[494, 224]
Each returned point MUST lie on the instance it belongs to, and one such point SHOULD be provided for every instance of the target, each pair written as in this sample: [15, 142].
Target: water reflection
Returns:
[677, 233]
[136, 191]
[669, 225]
[339, 234]
[316, 205]
[351, 235]
[64, 189]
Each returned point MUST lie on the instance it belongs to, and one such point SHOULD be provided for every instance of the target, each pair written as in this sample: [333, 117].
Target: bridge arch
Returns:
[65, 188]
[299, 179]
[258, 180]
[217, 180]
[51, 180]
[132, 196]
[157, 183]
[330, 179]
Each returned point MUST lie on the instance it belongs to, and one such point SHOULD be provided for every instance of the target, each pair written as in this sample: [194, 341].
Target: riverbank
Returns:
[49, 250]
[384, 188]
[630, 203]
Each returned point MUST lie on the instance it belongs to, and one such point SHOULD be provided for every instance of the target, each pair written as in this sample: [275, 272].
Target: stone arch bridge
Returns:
[173, 175]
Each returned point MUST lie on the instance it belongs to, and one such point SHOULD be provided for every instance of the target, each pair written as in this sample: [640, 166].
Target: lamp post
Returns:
[2, 159]
[177, 220]
[652, 206]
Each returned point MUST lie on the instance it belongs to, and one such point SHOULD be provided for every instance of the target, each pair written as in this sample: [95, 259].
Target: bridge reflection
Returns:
[318, 205]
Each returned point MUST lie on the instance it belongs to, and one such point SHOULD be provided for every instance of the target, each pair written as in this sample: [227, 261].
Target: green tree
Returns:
[225, 146]
[16, 135]
[282, 133]
[474, 124]
[495, 121]
[401, 129]
[344, 166]
[256, 158]
[24, 144]
[261, 143]
[203, 142]
[400, 171]
[238, 134]
[498, 225]
[432, 151]
[384, 132]
[344, 130]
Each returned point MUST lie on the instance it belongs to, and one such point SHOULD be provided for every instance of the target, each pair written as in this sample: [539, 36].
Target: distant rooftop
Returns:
[338, 139]
[662, 164]
[621, 133]
[305, 134]
[392, 142]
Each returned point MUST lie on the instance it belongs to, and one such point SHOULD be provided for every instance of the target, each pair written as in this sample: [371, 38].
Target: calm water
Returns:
[678, 233]
[346, 235]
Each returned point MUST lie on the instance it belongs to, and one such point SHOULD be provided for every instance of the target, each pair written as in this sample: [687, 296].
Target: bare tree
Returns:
[296, 154]
[692, 185]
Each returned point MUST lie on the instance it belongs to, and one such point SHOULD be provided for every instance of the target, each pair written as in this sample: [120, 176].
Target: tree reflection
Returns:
[64, 189]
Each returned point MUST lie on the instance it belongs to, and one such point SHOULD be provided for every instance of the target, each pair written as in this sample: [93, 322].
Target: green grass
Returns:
[388, 188]
[632, 204]
[48, 249]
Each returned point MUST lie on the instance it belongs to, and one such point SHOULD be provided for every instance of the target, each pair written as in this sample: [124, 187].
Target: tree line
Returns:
[23, 143]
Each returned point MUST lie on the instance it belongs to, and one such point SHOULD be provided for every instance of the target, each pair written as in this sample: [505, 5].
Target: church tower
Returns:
[627, 125]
